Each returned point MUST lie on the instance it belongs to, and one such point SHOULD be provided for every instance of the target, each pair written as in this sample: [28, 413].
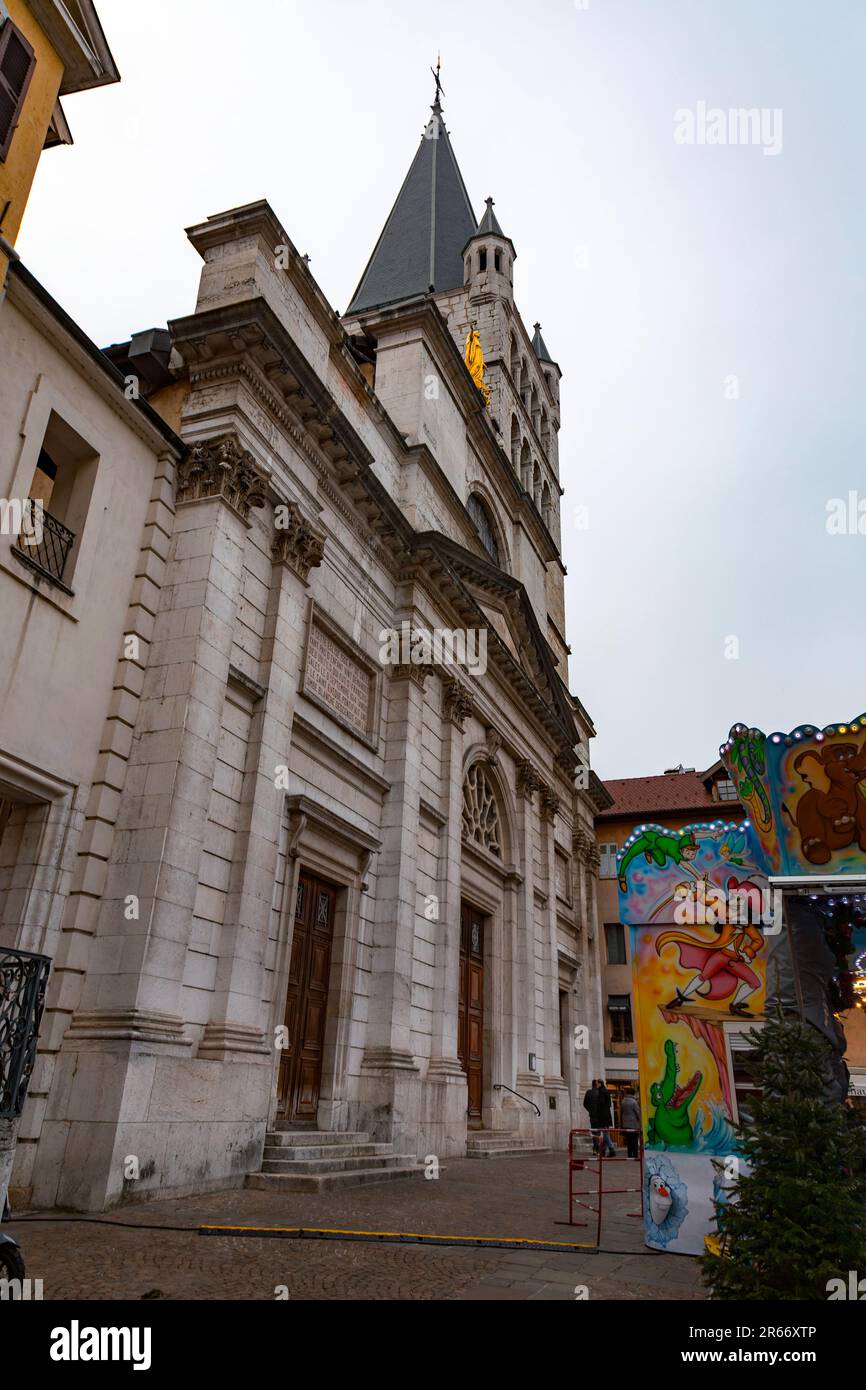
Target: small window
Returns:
[727, 790]
[608, 861]
[62, 486]
[482, 259]
[17, 61]
[497, 262]
[483, 525]
[614, 935]
[619, 1008]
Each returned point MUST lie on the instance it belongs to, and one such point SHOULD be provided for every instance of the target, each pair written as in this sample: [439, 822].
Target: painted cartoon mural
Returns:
[805, 793]
[703, 919]
[699, 910]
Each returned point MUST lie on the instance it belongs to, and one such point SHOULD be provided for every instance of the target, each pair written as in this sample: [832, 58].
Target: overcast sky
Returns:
[705, 301]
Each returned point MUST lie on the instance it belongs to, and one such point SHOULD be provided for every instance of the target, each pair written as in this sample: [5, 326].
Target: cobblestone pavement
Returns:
[525, 1197]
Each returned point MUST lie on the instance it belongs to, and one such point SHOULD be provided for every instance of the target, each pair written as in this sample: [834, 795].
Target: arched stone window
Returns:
[480, 811]
[546, 509]
[515, 363]
[515, 443]
[526, 466]
[536, 484]
[483, 523]
[545, 431]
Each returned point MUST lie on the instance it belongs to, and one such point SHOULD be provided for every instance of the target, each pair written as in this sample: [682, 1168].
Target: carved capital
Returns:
[411, 671]
[549, 804]
[222, 468]
[297, 543]
[456, 703]
[583, 844]
[528, 780]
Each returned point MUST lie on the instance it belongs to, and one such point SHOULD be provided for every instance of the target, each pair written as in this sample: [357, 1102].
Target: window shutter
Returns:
[17, 61]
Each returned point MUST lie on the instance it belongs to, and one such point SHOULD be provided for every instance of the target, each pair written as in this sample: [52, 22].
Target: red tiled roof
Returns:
[658, 796]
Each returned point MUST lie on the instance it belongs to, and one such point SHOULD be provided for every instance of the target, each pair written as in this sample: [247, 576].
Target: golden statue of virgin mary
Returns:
[474, 358]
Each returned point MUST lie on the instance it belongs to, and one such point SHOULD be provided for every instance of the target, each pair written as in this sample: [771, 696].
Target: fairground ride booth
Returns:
[729, 922]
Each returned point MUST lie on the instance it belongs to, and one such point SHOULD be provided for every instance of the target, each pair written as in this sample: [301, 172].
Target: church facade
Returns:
[347, 885]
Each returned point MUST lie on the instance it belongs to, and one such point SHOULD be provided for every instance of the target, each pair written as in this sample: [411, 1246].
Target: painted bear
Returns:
[832, 820]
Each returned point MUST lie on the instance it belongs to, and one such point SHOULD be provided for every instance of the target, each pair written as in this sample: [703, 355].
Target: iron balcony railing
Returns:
[46, 545]
[23, 981]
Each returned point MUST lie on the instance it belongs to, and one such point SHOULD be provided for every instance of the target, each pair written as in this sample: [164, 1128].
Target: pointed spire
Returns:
[490, 222]
[421, 246]
[539, 346]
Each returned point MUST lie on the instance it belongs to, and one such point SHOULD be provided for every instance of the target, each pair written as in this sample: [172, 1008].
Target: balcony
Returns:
[45, 546]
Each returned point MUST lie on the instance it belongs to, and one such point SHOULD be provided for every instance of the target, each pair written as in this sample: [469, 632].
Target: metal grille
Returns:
[23, 981]
[52, 552]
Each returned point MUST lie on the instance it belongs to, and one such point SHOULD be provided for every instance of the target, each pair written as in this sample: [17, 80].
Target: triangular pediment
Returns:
[501, 603]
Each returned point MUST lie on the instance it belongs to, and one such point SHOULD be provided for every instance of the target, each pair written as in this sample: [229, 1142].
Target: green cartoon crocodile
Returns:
[659, 847]
[670, 1126]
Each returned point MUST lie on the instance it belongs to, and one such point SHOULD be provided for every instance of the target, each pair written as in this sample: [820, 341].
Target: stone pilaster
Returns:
[390, 1079]
[239, 1016]
[586, 864]
[529, 1039]
[120, 1054]
[445, 1119]
[553, 1078]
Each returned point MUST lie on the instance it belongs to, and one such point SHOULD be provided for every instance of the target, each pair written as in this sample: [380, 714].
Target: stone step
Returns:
[304, 1138]
[502, 1145]
[289, 1152]
[496, 1141]
[328, 1182]
[356, 1163]
[508, 1153]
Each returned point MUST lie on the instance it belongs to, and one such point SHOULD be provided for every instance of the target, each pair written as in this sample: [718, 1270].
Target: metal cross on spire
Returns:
[439, 88]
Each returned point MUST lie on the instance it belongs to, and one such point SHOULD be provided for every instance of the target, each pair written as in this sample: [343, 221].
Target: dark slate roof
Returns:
[430, 223]
[540, 347]
[489, 224]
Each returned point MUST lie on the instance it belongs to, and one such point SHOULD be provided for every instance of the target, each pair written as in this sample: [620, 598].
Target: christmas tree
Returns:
[797, 1218]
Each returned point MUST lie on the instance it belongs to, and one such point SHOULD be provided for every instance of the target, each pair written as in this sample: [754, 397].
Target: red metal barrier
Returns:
[582, 1163]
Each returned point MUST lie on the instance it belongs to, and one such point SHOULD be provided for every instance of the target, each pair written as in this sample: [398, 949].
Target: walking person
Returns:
[605, 1120]
[590, 1105]
[631, 1122]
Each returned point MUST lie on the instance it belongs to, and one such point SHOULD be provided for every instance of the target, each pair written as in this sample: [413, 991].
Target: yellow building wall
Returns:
[18, 170]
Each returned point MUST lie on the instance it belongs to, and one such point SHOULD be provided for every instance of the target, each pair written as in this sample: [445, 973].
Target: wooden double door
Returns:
[300, 1075]
[470, 1012]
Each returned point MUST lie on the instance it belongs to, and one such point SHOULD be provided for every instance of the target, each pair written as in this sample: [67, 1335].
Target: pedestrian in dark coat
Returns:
[605, 1118]
[590, 1104]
